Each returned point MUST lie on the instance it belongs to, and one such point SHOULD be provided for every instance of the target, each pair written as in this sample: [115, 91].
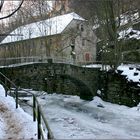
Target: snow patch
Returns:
[130, 73]
[130, 34]
[102, 67]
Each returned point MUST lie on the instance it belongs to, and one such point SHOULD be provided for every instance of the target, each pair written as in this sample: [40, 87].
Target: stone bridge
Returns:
[55, 78]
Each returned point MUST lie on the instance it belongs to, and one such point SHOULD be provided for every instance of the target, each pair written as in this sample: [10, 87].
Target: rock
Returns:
[100, 105]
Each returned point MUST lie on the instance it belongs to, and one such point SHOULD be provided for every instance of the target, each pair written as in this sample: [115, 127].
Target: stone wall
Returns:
[116, 88]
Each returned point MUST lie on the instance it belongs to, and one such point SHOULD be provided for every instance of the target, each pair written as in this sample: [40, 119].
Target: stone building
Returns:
[67, 36]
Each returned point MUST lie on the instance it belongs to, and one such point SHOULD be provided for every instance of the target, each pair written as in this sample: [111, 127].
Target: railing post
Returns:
[16, 92]
[49, 136]
[10, 90]
[5, 87]
[6, 92]
[39, 122]
[34, 109]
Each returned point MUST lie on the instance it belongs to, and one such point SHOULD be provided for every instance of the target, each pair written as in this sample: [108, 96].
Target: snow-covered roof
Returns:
[129, 33]
[52, 26]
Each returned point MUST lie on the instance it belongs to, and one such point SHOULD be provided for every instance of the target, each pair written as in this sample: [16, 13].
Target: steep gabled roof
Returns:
[52, 26]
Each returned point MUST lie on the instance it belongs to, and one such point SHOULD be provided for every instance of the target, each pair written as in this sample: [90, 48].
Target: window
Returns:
[33, 44]
[41, 42]
[50, 41]
[77, 26]
[83, 42]
[87, 56]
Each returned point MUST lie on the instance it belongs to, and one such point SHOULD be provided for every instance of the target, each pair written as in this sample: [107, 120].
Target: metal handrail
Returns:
[37, 111]
[38, 114]
[35, 59]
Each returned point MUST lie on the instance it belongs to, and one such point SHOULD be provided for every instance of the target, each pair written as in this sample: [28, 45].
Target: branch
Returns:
[13, 11]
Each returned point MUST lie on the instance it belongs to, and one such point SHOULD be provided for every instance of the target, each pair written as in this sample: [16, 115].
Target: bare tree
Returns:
[1, 4]
[12, 12]
[107, 18]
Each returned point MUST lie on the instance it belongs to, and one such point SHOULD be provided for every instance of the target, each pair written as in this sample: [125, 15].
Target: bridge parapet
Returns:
[16, 61]
[34, 59]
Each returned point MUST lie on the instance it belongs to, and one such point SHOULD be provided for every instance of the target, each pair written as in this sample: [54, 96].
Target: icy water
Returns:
[72, 118]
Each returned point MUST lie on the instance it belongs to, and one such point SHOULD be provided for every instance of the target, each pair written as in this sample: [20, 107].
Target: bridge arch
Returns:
[84, 90]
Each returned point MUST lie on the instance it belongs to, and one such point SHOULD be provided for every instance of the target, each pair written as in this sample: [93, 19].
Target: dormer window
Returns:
[82, 28]
[77, 26]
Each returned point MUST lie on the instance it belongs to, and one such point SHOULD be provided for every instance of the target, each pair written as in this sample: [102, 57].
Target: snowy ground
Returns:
[15, 123]
[72, 118]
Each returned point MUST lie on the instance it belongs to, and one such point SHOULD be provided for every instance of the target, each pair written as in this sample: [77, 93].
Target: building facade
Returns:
[67, 36]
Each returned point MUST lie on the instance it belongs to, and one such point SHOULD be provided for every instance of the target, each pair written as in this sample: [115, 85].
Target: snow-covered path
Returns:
[14, 123]
[72, 118]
